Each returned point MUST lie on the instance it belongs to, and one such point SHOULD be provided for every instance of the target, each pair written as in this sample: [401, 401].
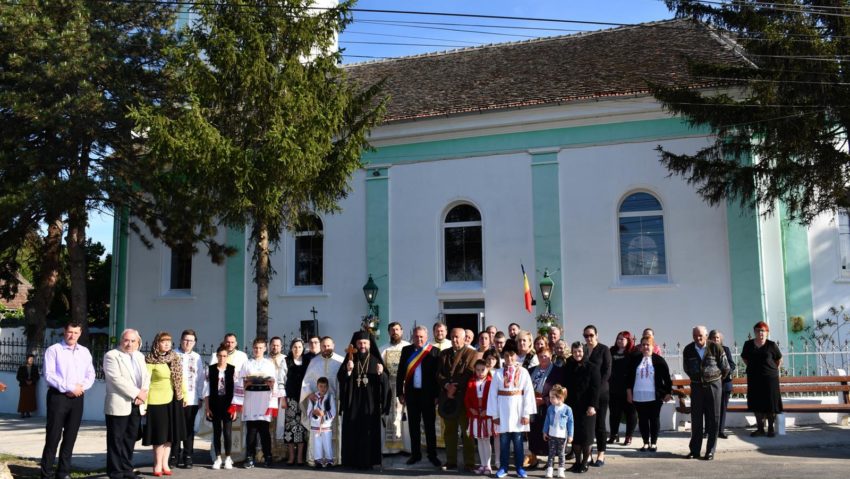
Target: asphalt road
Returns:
[802, 463]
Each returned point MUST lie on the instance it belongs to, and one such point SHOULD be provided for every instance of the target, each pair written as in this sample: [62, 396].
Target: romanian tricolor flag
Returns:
[527, 290]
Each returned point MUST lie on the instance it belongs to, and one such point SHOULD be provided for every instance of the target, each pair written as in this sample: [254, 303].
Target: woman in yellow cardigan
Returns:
[164, 424]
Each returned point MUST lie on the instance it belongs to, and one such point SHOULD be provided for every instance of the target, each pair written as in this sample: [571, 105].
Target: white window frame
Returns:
[624, 280]
[291, 265]
[166, 291]
[451, 288]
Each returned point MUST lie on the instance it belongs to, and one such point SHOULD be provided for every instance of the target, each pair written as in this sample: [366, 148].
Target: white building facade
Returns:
[460, 192]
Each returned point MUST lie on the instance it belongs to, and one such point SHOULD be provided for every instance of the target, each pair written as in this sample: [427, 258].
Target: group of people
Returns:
[317, 406]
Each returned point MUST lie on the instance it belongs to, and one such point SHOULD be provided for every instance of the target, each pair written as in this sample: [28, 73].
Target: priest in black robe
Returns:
[364, 397]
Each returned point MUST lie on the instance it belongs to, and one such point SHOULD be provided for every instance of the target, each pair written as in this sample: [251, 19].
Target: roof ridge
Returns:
[570, 36]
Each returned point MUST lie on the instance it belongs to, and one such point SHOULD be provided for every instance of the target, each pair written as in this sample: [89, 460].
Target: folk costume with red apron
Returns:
[477, 391]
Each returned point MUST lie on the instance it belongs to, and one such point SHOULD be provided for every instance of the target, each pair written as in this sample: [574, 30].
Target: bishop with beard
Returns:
[364, 396]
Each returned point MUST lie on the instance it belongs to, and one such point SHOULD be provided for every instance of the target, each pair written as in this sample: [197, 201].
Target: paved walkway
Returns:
[25, 438]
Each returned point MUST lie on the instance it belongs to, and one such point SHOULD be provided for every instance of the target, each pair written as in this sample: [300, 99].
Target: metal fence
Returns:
[798, 359]
[13, 354]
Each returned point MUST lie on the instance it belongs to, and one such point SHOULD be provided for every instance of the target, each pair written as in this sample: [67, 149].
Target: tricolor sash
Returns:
[415, 361]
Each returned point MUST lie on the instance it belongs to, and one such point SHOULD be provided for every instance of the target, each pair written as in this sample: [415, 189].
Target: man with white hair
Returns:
[127, 383]
[706, 364]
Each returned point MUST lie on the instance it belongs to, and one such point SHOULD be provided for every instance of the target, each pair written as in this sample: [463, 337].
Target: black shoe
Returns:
[644, 448]
[436, 462]
[413, 460]
[709, 456]
[757, 433]
[583, 468]
[722, 435]
[653, 448]
[614, 438]
[449, 467]
[249, 463]
[691, 455]
[187, 462]
[269, 463]
[172, 462]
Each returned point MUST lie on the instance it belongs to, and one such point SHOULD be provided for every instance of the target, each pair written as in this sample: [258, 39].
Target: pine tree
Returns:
[267, 127]
[781, 120]
[70, 70]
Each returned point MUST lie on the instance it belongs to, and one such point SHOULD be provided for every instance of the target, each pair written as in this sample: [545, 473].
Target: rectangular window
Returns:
[844, 244]
[642, 246]
[181, 271]
[308, 259]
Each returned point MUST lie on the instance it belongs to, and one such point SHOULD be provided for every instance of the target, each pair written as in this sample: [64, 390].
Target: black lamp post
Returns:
[546, 285]
[370, 290]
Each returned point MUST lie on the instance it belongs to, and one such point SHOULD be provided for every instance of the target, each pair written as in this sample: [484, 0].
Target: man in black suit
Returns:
[416, 388]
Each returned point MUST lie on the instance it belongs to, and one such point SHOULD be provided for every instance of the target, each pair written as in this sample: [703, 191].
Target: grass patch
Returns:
[27, 468]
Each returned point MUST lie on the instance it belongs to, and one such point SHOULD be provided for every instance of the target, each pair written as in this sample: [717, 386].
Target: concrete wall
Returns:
[94, 398]
[829, 287]
[593, 182]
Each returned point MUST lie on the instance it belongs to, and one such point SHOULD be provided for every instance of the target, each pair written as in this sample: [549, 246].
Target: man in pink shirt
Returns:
[69, 373]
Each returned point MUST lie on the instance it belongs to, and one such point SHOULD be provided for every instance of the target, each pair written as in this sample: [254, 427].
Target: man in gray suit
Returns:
[127, 384]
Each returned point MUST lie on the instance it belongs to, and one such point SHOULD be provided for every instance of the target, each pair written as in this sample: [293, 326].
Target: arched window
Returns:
[462, 244]
[642, 236]
[309, 252]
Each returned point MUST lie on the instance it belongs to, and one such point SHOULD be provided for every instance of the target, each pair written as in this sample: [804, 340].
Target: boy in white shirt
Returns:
[322, 412]
[511, 404]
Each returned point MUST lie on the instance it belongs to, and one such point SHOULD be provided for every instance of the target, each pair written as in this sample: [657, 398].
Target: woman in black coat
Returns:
[649, 386]
[622, 355]
[763, 360]
[582, 383]
[599, 356]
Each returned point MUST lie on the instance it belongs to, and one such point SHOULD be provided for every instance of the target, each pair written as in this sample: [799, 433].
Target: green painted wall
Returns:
[798, 273]
[547, 226]
[745, 270]
[378, 241]
[118, 300]
[234, 303]
[523, 141]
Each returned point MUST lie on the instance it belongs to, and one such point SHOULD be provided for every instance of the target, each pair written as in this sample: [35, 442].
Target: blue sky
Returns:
[370, 34]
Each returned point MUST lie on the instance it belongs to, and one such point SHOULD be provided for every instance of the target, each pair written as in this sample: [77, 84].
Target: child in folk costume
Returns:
[480, 424]
[511, 403]
[322, 412]
[557, 428]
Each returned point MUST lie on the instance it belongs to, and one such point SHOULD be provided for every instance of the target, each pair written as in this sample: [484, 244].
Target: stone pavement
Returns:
[25, 438]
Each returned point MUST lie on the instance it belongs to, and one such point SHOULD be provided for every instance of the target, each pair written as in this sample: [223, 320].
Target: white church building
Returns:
[539, 153]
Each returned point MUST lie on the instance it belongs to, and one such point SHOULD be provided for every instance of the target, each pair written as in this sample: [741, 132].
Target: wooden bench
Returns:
[815, 385]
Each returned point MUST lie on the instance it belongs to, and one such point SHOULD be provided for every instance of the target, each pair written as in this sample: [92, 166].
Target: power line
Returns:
[352, 32]
[781, 7]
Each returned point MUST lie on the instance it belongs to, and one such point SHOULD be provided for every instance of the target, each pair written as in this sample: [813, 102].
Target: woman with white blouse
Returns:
[649, 386]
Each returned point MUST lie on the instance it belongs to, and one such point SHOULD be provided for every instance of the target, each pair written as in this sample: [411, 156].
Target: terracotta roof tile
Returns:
[551, 70]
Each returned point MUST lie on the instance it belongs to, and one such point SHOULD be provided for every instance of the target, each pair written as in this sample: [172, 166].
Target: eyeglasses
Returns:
[589, 335]
[188, 340]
